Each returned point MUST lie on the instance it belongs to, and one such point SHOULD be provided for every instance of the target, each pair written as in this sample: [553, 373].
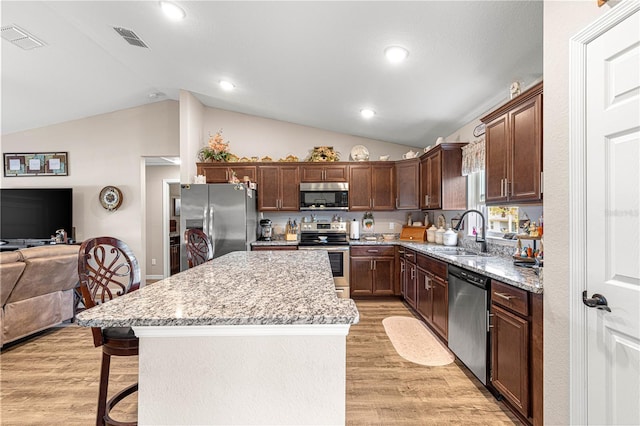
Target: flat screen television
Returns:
[35, 213]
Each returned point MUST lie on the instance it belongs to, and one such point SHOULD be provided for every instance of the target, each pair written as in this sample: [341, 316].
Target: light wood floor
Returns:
[53, 379]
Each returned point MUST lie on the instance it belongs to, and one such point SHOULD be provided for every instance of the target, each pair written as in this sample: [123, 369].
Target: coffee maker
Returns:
[266, 230]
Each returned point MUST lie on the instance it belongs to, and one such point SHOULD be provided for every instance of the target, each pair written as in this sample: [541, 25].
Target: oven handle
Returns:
[328, 248]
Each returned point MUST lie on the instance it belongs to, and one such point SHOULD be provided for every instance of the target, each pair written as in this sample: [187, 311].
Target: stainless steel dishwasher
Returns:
[468, 319]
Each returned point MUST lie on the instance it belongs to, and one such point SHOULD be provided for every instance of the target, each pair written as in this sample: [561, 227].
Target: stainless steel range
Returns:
[332, 237]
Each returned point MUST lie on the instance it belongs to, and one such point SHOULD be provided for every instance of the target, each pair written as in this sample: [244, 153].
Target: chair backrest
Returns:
[199, 248]
[107, 269]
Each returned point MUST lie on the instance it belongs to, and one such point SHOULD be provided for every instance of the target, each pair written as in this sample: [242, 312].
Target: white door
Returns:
[613, 223]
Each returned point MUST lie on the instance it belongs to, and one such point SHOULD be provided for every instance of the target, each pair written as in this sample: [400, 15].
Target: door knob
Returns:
[597, 301]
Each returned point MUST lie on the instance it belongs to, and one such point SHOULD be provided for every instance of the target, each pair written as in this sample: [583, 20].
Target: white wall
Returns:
[103, 150]
[562, 19]
[154, 241]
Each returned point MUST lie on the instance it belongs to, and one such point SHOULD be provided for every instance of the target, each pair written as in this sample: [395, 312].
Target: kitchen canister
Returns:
[431, 234]
[450, 237]
[440, 235]
[354, 230]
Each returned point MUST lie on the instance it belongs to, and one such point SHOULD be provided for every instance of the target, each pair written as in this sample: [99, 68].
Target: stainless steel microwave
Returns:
[324, 196]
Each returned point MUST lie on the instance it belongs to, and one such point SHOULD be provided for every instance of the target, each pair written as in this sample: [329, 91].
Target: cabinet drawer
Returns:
[432, 265]
[372, 251]
[409, 255]
[510, 297]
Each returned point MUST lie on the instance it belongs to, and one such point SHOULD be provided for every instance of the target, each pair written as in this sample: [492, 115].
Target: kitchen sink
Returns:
[458, 252]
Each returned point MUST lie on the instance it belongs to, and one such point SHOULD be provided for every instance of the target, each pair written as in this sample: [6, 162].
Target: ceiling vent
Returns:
[20, 37]
[131, 37]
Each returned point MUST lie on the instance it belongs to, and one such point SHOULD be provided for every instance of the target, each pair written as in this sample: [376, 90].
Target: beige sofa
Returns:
[36, 289]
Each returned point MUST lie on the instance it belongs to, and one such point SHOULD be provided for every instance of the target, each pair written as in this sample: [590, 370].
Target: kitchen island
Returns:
[248, 338]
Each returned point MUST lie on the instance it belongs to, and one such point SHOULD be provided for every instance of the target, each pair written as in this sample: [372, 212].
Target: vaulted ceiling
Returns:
[311, 63]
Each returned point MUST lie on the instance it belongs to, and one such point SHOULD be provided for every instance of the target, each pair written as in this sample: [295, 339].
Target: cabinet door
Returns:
[361, 276]
[407, 185]
[440, 312]
[336, 173]
[526, 151]
[214, 173]
[435, 180]
[289, 188]
[383, 276]
[410, 294]
[403, 277]
[510, 357]
[424, 182]
[424, 302]
[311, 173]
[496, 154]
[359, 188]
[242, 171]
[268, 188]
[383, 187]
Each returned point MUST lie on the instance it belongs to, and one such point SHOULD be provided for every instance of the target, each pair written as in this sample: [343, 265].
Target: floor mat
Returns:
[414, 342]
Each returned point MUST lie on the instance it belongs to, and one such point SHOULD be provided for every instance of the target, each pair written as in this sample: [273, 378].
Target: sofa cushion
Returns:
[11, 268]
[48, 269]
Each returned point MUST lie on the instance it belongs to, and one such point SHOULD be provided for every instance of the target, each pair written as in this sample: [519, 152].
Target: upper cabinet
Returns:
[514, 150]
[278, 188]
[223, 172]
[371, 186]
[442, 186]
[324, 172]
[408, 184]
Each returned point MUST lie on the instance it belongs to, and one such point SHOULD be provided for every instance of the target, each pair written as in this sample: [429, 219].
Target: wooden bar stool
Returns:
[107, 269]
[199, 248]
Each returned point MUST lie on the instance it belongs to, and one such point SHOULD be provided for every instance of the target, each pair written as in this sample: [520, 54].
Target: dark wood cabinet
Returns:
[514, 150]
[223, 172]
[372, 270]
[408, 184]
[516, 349]
[278, 188]
[174, 254]
[324, 173]
[442, 186]
[409, 278]
[371, 186]
[433, 294]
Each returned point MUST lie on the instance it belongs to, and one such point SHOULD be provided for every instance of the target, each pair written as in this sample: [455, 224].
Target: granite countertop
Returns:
[240, 288]
[497, 267]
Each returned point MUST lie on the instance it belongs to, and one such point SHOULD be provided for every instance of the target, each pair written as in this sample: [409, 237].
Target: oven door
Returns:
[339, 260]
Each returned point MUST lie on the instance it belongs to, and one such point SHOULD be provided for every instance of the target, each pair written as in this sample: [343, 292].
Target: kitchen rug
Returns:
[414, 342]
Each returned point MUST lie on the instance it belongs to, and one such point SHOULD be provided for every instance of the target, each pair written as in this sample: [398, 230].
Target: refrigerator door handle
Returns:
[211, 227]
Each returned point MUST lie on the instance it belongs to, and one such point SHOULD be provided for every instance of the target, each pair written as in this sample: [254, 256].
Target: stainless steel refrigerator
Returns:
[225, 212]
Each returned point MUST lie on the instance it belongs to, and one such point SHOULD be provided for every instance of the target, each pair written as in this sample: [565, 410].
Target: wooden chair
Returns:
[107, 269]
[199, 248]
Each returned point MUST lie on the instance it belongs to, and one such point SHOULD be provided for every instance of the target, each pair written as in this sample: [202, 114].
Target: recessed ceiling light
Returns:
[172, 11]
[367, 113]
[396, 54]
[227, 85]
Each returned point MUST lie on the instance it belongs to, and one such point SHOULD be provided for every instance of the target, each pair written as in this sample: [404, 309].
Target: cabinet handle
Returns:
[489, 325]
[504, 295]
[400, 251]
[372, 251]
[409, 255]
[506, 188]
[502, 187]
[396, 203]
[371, 265]
[375, 264]
[541, 182]
[371, 202]
[425, 200]
[413, 273]
[426, 283]
[401, 269]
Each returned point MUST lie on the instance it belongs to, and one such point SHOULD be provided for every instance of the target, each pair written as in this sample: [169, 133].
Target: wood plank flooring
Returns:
[53, 379]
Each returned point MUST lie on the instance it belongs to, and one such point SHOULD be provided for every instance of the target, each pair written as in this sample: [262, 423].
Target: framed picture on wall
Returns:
[36, 164]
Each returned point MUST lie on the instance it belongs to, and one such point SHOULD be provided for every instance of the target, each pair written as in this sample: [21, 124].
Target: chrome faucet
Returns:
[483, 240]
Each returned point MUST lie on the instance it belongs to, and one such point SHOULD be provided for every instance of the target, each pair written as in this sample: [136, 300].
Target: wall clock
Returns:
[111, 198]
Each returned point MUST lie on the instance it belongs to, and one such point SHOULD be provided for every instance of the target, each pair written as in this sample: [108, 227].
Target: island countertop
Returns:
[240, 288]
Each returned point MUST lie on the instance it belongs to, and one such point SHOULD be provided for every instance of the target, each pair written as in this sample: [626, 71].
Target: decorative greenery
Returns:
[217, 150]
[324, 153]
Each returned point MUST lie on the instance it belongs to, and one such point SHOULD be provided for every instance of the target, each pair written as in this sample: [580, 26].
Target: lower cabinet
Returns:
[433, 293]
[174, 254]
[372, 270]
[409, 277]
[516, 349]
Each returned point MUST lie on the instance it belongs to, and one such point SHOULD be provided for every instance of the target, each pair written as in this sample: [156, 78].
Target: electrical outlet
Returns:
[153, 262]
[392, 225]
